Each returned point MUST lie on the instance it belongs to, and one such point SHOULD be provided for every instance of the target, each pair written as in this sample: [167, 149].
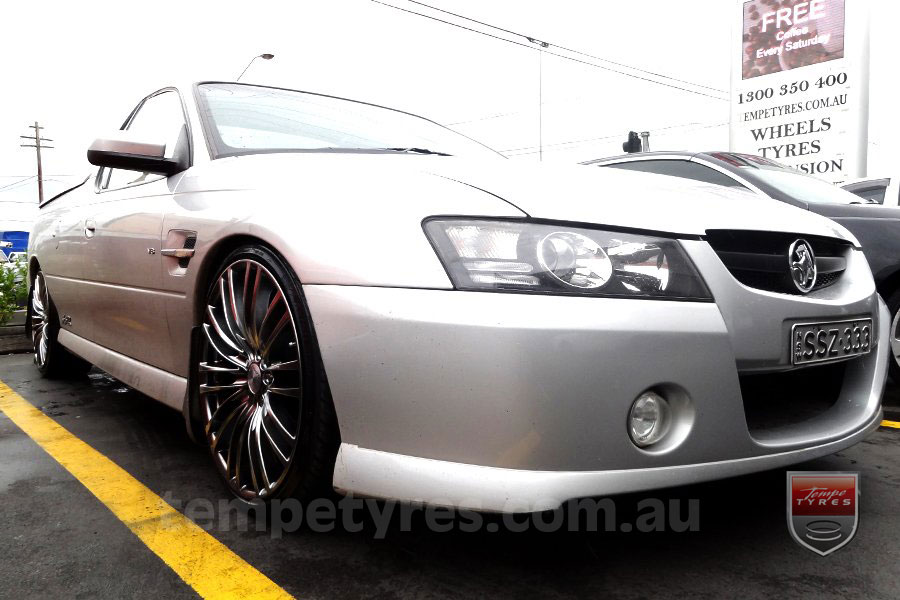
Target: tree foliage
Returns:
[13, 290]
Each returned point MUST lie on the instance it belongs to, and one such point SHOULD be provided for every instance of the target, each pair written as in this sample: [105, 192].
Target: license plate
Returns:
[821, 342]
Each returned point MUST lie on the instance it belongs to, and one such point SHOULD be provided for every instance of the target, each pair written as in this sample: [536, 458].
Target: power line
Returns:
[412, 12]
[600, 58]
[574, 145]
[487, 118]
[8, 185]
[701, 124]
[515, 151]
[547, 51]
[11, 187]
[564, 100]
[518, 151]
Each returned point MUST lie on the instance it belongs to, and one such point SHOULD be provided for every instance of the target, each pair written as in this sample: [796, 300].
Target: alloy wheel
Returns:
[40, 310]
[250, 379]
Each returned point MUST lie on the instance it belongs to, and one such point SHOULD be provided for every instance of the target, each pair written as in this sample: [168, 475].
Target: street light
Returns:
[265, 56]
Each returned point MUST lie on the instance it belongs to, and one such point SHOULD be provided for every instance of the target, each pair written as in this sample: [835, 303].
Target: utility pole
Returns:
[541, 45]
[37, 139]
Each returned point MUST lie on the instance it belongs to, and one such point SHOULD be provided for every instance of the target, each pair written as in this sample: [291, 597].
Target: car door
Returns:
[57, 241]
[123, 269]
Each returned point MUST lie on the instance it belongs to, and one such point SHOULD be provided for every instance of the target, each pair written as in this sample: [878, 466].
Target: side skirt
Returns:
[156, 383]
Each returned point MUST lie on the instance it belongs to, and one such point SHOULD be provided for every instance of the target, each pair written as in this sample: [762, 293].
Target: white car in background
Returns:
[876, 190]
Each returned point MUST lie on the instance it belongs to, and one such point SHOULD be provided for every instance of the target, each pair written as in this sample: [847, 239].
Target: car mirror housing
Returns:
[124, 150]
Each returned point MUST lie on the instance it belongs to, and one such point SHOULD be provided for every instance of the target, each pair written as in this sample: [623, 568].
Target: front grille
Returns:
[759, 259]
[826, 279]
[776, 400]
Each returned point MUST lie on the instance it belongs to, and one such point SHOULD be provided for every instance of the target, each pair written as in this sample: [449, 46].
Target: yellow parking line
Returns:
[894, 424]
[199, 559]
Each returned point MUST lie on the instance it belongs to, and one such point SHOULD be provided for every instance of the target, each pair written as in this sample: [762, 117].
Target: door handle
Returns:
[90, 226]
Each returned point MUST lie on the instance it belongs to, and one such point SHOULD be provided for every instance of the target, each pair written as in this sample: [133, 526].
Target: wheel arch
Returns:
[213, 258]
[212, 261]
[34, 265]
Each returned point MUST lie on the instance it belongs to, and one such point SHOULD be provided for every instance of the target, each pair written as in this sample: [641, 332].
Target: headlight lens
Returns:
[574, 260]
[541, 258]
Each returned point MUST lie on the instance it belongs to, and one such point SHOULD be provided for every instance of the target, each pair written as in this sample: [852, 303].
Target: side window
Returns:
[160, 117]
[872, 190]
[680, 168]
[872, 194]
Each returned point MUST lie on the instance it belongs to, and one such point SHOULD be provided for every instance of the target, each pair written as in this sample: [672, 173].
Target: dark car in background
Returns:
[876, 190]
[876, 227]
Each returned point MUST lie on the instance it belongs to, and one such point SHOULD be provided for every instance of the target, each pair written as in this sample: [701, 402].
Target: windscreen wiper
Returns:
[415, 151]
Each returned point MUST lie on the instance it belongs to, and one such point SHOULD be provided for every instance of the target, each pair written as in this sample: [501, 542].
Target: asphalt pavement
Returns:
[60, 539]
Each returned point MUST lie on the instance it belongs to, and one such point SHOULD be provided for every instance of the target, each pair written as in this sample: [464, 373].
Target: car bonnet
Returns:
[635, 200]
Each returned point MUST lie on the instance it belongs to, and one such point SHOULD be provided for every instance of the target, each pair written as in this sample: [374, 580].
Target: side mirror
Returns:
[126, 151]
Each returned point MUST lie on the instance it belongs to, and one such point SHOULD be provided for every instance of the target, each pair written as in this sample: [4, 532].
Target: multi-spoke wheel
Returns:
[253, 379]
[51, 358]
[40, 308]
[893, 303]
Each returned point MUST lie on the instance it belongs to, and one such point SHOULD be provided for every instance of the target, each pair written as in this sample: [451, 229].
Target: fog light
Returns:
[649, 419]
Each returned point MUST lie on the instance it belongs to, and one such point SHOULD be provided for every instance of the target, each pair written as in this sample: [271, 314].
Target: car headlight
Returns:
[482, 254]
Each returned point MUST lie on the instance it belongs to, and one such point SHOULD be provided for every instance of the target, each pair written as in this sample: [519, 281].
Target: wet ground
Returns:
[59, 540]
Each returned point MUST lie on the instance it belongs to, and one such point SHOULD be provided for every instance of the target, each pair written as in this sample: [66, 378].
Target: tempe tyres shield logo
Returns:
[822, 509]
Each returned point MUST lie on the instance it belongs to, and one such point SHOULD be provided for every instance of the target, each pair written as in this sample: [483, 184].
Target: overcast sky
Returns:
[80, 67]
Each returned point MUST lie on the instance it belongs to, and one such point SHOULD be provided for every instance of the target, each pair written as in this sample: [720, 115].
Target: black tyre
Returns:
[50, 357]
[893, 304]
[268, 417]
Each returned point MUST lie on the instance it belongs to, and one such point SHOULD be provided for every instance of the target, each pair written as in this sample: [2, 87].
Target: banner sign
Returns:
[799, 92]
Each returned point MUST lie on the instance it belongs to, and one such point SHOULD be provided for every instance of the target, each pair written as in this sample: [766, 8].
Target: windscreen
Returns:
[247, 119]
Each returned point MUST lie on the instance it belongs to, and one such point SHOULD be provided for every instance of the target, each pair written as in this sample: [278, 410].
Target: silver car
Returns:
[340, 295]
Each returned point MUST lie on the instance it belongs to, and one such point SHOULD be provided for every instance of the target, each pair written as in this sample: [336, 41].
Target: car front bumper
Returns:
[372, 473]
[515, 402]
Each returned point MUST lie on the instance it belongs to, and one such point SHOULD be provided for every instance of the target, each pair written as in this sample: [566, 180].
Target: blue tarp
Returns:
[19, 240]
